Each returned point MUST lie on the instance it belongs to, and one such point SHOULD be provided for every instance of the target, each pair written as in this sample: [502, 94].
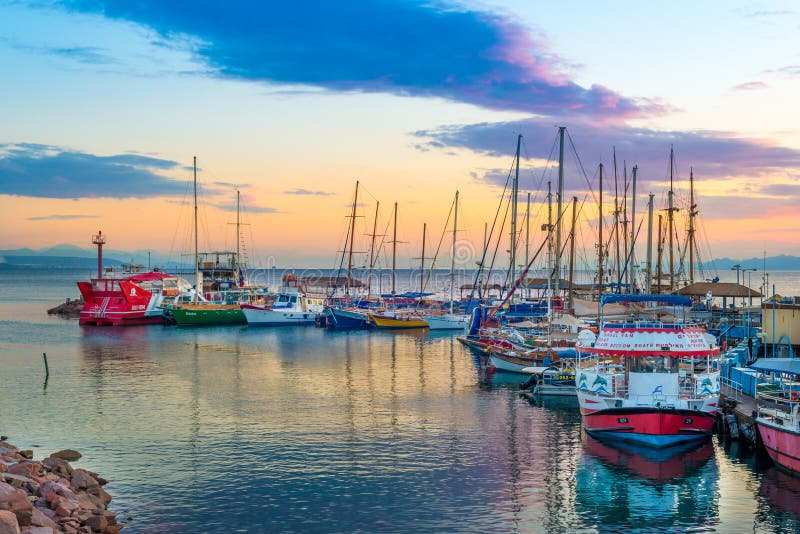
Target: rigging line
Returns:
[628, 260]
[580, 164]
[438, 247]
[485, 245]
[496, 246]
[177, 227]
[519, 280]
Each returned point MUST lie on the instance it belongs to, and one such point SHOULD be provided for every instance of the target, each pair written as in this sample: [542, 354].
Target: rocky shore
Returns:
[49, 496]
[69, 308]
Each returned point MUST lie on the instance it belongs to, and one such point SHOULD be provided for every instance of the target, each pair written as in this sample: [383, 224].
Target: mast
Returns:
[671, 222]
[198, 274]
[559, 195]
[527, 233]
[422, 266]
[394, 254]
[616, 215]
[514, 192]
[692, 215]
[372, 249]
[352, 238]
[572, 253]
[453, 258]
[649, 279]
[600, 239]
[633, 225]
[238, 236]
[625, 224]
[660, 252]
[549, 245]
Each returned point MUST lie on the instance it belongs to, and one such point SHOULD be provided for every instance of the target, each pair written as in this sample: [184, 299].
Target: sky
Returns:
[105, 105]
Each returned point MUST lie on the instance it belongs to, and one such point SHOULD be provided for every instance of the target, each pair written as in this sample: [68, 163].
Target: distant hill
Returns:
[70, 256]
[774, 263]
[53, 262]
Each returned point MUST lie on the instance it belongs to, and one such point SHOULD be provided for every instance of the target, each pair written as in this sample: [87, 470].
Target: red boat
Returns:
[134, 299]
[648, 383]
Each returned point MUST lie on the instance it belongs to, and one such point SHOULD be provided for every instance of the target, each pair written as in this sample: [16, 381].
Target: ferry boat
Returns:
[128, 300]
[648, 383]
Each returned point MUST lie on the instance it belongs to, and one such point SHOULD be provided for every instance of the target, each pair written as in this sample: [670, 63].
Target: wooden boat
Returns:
[649, 400]
[292, 306]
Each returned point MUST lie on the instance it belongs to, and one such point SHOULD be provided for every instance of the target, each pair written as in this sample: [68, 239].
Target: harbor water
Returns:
[237, 429]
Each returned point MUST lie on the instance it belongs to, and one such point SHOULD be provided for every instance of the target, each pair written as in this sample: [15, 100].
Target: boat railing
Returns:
[733, 386]
[780, 406]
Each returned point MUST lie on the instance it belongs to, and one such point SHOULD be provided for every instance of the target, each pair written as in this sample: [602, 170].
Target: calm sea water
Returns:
[304, 430]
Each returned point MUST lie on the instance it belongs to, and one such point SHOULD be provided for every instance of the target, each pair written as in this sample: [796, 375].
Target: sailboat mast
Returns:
[600, 239]
[633, 226]
[625, 223]
[514, 193]
[453, 258]
[692, 215]
[569, 306]
[616, 216]
[422, 264]
[527, 230]
[372, 249]
[559, 196]
[660, 252]
[198, 274]
[549, 244]
[649, 274]
[394, 254]
[352, 238]
[671, 222]
[238, 236]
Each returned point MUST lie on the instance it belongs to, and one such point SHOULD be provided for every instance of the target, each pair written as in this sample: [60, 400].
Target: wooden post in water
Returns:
[46, 370]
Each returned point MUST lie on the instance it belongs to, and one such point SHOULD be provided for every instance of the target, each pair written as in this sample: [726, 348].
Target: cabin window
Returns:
[654, 364]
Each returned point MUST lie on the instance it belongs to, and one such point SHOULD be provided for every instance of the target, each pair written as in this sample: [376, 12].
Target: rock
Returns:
[81, 479]
[57, 465]
[27, 454]
[38, 530]
[98, 523]
[40, 519]
[26, 469]
[112, 529]
[6, 491]
[68, 455]
[17, 503]
[8, 523]
[8, 446]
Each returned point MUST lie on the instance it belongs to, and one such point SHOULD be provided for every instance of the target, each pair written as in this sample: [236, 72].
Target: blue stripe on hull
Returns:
[343, 319]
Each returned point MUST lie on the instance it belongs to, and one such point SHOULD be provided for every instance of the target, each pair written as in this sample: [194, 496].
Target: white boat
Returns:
[447, 322]
[291, 307]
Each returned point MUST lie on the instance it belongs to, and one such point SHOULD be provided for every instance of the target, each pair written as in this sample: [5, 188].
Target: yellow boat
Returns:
[397, 320]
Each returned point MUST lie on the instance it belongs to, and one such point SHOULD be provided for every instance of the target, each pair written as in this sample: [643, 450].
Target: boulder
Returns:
[68, 455]
[8, 523]
[26, 469]
[7, 446]
[81, 479]
[98, 523]
[38, 530]
[27, 454]
[40, 519]
[55, 464]
[112, 529]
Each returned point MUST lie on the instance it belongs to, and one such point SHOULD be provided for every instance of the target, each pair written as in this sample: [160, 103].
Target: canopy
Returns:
[677, 300]
[778, 365]
[718, 289]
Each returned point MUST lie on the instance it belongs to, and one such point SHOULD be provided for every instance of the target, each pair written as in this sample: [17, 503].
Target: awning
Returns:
[778, 365]
[676, 300]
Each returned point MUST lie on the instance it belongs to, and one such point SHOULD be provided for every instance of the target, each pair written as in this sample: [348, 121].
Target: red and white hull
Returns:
[113, 302]
[782, 444]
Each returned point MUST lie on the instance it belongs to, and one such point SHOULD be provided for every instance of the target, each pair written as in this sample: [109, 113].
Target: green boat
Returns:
[203, 313]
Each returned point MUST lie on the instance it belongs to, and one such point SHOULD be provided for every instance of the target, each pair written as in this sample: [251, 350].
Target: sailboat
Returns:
[220, 287]
[451, 320]
[396, 318]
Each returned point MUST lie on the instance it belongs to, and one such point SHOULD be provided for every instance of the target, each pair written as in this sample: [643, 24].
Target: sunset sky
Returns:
[104, 104]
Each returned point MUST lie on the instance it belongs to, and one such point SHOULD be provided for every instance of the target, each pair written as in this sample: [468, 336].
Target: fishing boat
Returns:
[648, 383]
[513, 361]
[778, 409]
[397, 319]
[551, 381]
[346, 318]
[292, 306]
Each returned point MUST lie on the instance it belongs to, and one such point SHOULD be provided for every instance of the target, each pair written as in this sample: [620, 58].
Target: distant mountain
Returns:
[782, 262]
[71, 256]
[53, 262]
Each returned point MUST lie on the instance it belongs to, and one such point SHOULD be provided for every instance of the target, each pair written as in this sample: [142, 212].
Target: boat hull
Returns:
[648, 426]
[395, 323]
[346, 319]
[447, 322]
[207, 316]
[782, 444]
[263, 317]
[516, 364]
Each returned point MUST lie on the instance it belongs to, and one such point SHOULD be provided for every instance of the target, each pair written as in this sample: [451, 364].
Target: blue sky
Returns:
[108, 101]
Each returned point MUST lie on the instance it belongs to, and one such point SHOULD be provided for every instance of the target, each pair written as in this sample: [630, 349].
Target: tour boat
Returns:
[648, 383]
[129, 300]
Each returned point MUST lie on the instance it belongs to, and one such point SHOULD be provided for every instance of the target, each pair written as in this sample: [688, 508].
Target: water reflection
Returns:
[779, 507]
[625, 487]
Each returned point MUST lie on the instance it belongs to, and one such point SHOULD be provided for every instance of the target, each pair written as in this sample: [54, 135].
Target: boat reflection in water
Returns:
[779, 503]
[627, 486]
